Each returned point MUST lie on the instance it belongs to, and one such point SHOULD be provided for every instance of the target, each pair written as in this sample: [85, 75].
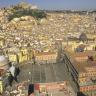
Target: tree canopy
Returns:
[18, 12]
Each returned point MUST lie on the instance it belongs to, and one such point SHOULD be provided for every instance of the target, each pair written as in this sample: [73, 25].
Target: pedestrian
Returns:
[8, 79]
[12, 69]
[10, 64]
[17, 71]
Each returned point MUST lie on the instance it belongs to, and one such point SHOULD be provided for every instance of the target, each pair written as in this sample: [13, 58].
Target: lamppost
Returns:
[30, 73]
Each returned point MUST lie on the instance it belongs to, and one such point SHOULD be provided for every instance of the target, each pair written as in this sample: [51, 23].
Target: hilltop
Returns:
[47, 23]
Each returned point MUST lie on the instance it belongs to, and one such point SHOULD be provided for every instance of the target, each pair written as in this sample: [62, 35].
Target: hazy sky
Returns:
[56, 4]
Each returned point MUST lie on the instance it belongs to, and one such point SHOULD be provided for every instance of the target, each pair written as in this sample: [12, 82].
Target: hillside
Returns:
[50, 24]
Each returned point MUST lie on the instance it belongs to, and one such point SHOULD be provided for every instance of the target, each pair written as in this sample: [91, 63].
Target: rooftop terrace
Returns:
[43, 73]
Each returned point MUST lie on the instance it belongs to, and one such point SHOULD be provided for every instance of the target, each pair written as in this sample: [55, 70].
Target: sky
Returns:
[55, 4]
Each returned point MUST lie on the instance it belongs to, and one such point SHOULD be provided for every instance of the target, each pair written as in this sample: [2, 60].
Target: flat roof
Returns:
[43, 73]
[82, 54]
[80, 66]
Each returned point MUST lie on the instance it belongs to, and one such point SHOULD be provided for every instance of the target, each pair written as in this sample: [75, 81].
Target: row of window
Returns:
[88, 88]
[91, 69]
[87, 74]
[82, 80]
[45, 57]
[91, 74]
[82, 74]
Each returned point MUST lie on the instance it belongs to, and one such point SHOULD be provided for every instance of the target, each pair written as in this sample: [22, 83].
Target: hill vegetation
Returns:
[19, 11]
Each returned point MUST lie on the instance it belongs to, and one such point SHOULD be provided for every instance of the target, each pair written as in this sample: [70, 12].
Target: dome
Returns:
[3, 62]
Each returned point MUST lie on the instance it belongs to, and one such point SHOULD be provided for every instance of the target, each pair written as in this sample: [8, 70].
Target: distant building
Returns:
[3, 63]
[13, 57]
[83, 56]
[2, 42]
[27, 5]
[83, 71]
[19, 55]
[3, 68]
[46, 57]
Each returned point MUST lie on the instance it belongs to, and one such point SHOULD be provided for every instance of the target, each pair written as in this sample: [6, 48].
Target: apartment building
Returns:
[46, 57]
[85, 68]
